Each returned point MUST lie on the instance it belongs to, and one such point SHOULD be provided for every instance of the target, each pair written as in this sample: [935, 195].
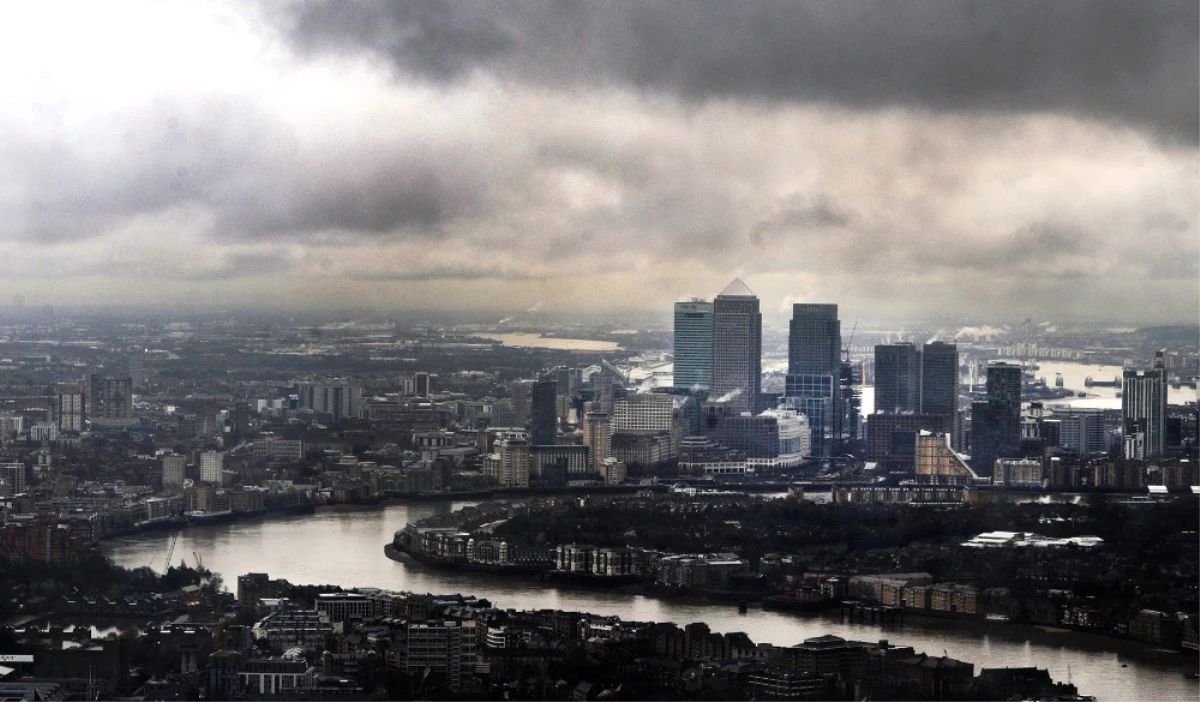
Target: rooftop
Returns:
[736, 289]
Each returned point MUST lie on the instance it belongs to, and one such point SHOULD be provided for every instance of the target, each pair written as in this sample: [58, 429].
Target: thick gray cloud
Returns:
[1110, 60]
[892, 157]
[250, 169]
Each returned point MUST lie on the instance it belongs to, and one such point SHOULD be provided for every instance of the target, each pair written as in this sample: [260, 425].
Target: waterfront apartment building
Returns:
[737, 347]
[212, 464]
[173, 471]
[510, 464]
[276, 449]
[572, 459]
[693, 344]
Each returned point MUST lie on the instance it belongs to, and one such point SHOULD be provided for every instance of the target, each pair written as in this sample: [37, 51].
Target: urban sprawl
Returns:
[871, 475]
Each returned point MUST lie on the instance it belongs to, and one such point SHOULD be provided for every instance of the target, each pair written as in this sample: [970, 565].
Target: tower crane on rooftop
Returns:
[849, 343]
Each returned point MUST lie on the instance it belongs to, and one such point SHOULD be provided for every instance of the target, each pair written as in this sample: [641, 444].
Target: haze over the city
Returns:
[927, 158]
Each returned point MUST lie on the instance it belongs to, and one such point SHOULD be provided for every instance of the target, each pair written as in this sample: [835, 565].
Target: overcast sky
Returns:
[977, 159]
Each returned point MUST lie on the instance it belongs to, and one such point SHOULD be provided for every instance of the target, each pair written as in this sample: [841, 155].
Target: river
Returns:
[537, 341]
[346, 548]
[1075, 376]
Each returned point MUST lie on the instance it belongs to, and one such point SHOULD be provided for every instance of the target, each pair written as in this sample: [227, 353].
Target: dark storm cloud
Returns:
[1115, 61]
[381, 196]
[250, 170]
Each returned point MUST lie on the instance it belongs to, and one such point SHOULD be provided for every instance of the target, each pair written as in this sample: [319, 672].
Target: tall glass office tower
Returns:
[737, 348]
[693, 344]
[814, 371]
[814, 340]
[939, 378]
[996, 422]
[897, 378]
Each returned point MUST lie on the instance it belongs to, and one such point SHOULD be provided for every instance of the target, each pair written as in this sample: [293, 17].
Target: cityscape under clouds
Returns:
[964, 159]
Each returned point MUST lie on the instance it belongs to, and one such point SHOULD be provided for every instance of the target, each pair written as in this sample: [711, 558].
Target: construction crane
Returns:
[199, 562]
[605, 363]
[170, 552]
[849, 343]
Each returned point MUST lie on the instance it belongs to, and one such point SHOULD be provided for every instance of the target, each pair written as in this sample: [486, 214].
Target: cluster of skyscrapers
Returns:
[718, 352]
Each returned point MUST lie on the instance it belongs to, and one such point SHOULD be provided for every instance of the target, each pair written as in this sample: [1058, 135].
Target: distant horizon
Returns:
[522, 318]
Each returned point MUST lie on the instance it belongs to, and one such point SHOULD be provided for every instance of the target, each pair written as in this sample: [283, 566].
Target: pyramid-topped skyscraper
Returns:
[737, 348]
[737, 288]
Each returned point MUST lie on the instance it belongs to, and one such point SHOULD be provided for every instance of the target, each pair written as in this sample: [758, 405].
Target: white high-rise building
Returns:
[212, 464]
[173, 471]
[340, 400]
[510, 463]
[645, 413]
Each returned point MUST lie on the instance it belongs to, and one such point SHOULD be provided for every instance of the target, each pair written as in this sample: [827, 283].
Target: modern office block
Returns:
[543, 413]
[939, 378]
[814, 340]
[737, 347]
[897, 378]
[996, 422]
[693, 344]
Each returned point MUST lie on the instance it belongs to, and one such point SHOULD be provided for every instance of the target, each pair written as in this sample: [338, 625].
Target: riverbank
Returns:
[564, 581]
[343, 548]
[1098, 641]
[182, 524]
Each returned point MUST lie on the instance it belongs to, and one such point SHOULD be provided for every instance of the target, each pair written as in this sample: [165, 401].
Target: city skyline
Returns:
[925, 159]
